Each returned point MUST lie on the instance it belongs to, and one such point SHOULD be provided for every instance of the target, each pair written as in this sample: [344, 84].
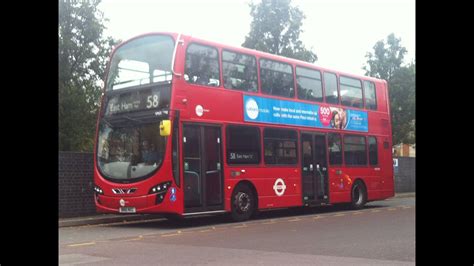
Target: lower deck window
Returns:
[355, 152]
[280, 146]
[243, 145]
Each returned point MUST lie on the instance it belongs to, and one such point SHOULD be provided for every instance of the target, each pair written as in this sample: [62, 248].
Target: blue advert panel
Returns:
[274, 111]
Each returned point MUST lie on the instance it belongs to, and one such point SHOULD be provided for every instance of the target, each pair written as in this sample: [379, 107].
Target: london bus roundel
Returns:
[279, 187]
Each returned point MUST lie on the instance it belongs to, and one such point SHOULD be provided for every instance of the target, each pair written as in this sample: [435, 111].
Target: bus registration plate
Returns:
[127, 210]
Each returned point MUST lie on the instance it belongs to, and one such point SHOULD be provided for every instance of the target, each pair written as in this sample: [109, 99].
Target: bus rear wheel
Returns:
[359, 195]
[243, 203]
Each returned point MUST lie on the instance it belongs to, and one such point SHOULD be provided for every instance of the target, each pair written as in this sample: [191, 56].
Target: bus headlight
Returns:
[160, 191]
[160, 188]
[98, 190]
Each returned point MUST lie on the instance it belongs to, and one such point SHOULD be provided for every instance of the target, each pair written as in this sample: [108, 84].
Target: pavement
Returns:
[124, 218]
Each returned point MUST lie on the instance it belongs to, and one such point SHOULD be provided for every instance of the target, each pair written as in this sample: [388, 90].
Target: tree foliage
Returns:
[385, 63]
[387, 58]
[275, 28]
[402, 104]
[82, 55]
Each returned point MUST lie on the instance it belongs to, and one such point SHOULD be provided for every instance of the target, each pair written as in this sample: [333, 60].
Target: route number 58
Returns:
[152, 101]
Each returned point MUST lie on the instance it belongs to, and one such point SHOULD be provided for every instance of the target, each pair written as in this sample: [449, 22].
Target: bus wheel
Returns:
[359, 195]
[243, 203]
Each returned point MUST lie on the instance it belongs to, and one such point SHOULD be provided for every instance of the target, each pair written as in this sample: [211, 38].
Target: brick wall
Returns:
[76, 184]
[405, 174]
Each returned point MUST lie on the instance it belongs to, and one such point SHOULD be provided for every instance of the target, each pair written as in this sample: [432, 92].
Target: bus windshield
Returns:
[141, 61]
[129, 151]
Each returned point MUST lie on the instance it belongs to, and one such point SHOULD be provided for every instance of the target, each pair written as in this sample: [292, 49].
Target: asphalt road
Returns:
[383, 233]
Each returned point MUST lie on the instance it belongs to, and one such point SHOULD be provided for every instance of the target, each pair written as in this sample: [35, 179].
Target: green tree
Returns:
[387, 58]
[82, 55]
[275, 28]
[385, 63]
[402, 103]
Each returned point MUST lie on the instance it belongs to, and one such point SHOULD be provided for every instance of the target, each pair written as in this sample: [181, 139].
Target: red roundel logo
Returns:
[325, 115]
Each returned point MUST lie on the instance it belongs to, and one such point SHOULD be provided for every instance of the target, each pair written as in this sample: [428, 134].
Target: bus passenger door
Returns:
[202, 159]
[308, 168]
[321, 168]
[314, 169]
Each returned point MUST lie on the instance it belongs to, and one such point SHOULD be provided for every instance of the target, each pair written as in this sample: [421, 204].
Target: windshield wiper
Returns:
[106, 121]
[131, 119]
[122, 120]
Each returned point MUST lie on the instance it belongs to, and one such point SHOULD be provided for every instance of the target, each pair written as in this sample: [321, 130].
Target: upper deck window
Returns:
[202, 65]
[240, 71]
[330, 85]
[277, 78]
[309, 84]
[351, 92]
[370, 95]
[141, 61]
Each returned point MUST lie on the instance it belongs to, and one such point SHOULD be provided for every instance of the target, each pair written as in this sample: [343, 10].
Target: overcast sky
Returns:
[341, 32]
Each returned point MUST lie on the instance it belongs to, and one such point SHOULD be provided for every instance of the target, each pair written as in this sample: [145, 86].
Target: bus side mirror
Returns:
[165, 128]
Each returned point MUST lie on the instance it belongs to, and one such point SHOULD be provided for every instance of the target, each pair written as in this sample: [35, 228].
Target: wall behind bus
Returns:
[76, 184]
[405, 175]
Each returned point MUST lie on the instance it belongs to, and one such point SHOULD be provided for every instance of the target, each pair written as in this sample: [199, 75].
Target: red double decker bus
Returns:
[189, 126]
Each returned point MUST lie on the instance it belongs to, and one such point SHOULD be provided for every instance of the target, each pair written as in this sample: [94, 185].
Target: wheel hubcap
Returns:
[243, 202]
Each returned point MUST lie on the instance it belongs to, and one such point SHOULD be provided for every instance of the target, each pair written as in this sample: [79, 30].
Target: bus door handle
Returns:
[212, 172]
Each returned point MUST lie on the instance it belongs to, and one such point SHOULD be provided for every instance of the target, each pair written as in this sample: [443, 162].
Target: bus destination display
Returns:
[133, 101]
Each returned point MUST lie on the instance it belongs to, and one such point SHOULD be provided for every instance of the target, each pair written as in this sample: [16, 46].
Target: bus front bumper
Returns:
[142, 204]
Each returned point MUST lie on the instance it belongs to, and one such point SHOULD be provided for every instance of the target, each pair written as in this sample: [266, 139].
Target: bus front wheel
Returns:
[243, 203]
[359, 195]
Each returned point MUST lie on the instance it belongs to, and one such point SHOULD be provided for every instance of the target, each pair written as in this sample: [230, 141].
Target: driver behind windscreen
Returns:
[149, 153]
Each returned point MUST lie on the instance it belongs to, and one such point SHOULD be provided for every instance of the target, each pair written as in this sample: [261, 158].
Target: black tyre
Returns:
[243, 203]
[359, 195]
